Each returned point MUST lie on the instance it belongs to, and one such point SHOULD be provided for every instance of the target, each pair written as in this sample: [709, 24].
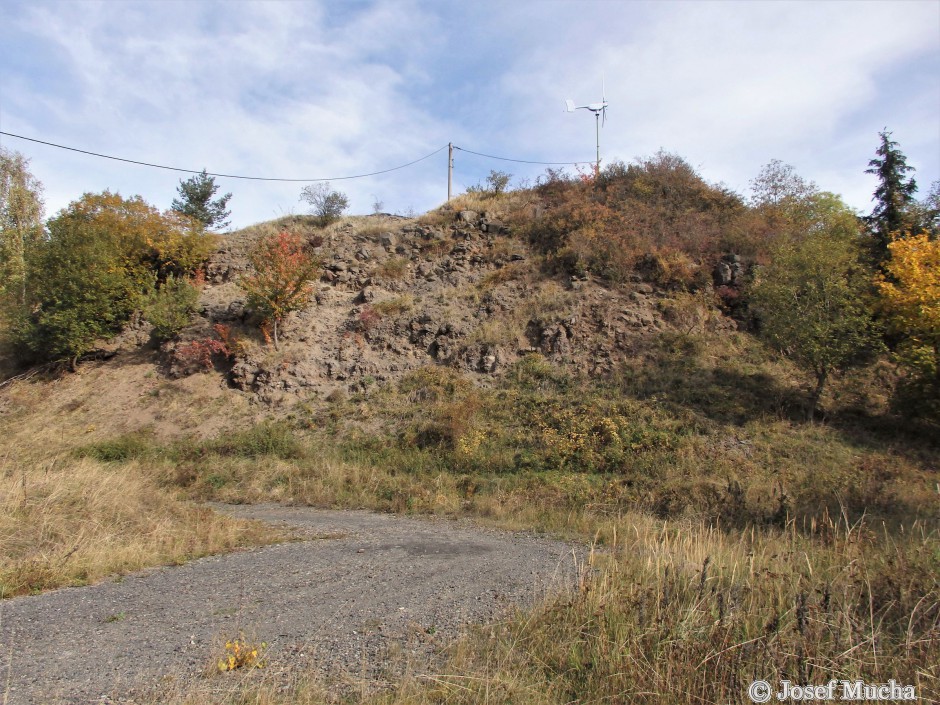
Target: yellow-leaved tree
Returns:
[910, 296]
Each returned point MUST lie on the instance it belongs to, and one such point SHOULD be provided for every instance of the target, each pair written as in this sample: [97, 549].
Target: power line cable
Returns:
[522, 161]
[266, 178]
[226, 176]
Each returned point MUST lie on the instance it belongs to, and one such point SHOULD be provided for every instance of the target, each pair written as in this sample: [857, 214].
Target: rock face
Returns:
[398, 294]
[729, 271]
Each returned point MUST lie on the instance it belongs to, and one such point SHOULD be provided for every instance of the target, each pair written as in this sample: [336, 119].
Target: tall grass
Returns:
[690, 614]
[733, 541]
[72, 522]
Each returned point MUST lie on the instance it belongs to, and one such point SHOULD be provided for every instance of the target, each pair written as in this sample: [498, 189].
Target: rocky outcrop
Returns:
[729, 271]
[396, 295]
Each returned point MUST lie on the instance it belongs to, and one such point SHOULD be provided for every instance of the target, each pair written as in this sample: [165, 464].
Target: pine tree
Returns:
[894, 195]
[196, 201]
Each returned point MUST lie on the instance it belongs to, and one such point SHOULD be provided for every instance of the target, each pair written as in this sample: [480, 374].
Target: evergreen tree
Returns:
[196, 201]
[894, 195]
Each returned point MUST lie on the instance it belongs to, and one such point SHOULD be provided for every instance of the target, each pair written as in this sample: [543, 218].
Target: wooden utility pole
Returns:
[450, 167]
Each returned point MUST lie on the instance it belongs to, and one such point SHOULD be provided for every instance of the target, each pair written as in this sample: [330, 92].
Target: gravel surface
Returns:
[357, 592]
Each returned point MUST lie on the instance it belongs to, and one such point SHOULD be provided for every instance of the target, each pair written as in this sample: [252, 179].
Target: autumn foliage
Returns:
[657, 208]
[199, 355]
[101, 258]
[282, 278]
[910, 297]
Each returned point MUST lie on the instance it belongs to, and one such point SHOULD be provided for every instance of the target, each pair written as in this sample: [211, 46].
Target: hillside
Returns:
[540, 359]
[397, 295]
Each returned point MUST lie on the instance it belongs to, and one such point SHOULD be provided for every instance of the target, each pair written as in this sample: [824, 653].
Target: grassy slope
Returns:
[66, 520]
[742, 544]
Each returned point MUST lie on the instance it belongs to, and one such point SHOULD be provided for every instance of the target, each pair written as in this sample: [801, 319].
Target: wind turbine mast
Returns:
[600, 113]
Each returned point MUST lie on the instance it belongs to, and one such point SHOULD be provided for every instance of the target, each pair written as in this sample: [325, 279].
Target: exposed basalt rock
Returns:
[493, 227]
[729, 271]
[243, 375]
[481, 357]
[366, 296]
[369, 321]
[471, 217]
[554, 340]
[223, 312]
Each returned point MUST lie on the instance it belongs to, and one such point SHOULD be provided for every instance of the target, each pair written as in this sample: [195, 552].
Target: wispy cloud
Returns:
[323, 88]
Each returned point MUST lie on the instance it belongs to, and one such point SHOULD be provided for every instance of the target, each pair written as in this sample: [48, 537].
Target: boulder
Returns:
[471, 217]
[243, 375]
[722, 274]
[493, 227]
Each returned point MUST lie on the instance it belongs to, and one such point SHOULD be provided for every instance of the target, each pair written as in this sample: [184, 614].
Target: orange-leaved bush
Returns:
[282, 280]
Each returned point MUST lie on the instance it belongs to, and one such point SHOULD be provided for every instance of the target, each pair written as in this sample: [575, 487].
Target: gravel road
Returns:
[358, 591]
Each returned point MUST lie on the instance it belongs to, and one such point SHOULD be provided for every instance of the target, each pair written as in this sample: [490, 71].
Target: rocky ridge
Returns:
[398, 294]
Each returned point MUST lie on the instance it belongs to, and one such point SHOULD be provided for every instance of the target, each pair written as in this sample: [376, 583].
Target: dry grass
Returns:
[498, 332]
[685, 466]
[689, 614]
[508, 273]
[75, 521]
[546, 301]
[675, 610]
[374, 225]
[504, 207]
[394, 306]
[392, 269]
[69, 521]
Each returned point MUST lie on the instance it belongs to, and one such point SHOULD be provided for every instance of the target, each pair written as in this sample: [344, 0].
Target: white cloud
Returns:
[273, 92]
[325, 89]
[732, 85]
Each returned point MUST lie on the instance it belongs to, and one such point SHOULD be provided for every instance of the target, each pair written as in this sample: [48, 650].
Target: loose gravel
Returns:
[356, 592]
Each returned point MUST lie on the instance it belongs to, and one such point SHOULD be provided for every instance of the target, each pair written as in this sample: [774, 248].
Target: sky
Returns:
[326, 89]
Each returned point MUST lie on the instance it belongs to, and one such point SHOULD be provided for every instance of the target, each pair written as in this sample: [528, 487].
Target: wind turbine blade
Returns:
[570, 105]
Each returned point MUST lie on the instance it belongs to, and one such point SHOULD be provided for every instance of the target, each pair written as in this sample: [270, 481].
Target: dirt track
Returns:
[360, 592]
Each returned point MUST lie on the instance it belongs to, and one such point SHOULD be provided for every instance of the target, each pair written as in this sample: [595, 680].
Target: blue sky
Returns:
[325, 89]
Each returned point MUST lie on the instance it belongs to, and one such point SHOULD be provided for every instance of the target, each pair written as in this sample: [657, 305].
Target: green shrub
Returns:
[170, 307]
[328, 205]
[101, 255]
[126, 447]
[274, 439]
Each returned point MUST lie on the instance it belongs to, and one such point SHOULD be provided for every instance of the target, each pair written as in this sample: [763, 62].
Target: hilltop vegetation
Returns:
[736, 396]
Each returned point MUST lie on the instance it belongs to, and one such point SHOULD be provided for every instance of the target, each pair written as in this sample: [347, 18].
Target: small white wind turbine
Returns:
[600, 111]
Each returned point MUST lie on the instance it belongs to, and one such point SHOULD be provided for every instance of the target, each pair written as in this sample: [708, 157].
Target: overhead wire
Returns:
[522, 161]
[226, 176]
[267, 178]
